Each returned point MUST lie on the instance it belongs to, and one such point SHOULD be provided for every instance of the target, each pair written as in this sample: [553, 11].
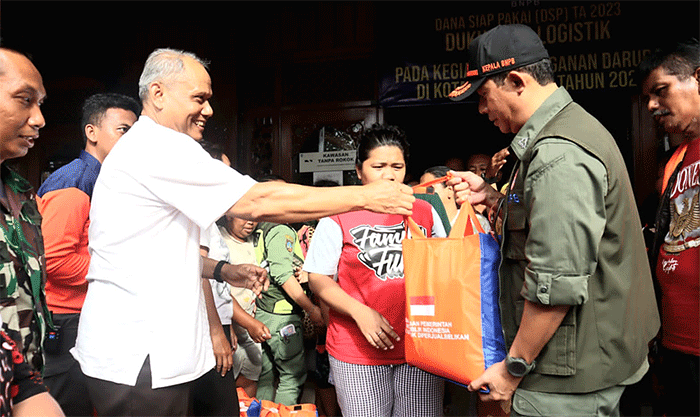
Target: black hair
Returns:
[680, 59]
[95, 107]
[380, 135]
[270, 177]
[214, 149]
[326, 183]
[541, 71]
[437, 171]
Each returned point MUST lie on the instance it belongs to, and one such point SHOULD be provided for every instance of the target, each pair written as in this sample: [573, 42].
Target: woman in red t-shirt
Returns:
[362, 250]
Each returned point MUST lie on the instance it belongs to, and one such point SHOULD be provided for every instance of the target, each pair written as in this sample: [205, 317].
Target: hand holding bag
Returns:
[453, 326]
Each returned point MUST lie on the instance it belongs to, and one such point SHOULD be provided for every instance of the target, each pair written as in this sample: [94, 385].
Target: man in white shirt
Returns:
[143, 334]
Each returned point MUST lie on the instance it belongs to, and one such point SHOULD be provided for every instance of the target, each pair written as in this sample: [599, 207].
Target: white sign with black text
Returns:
[327, 161]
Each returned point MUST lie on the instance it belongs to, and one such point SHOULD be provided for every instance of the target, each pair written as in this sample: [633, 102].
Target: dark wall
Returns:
[85, 47]
[283, 55]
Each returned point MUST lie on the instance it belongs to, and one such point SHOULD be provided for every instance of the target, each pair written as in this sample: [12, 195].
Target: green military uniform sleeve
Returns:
[283, 253]
[566, 225]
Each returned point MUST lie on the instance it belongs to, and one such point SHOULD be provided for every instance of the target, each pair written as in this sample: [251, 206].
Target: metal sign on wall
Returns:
[594, 46]
[327, 161]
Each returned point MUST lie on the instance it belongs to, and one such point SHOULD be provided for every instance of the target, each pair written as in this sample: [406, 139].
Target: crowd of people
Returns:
[149, 277]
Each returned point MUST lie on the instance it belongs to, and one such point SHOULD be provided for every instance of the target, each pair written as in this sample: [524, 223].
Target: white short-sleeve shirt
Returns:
[156, 190]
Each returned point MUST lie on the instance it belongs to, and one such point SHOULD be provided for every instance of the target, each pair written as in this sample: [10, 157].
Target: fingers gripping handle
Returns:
[467, 215]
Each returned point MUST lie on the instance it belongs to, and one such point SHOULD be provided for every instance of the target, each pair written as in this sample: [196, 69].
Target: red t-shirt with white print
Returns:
[678, 267]
[370, 269]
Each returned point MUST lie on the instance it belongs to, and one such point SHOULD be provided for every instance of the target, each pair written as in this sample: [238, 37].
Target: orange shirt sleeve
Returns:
[64, 227]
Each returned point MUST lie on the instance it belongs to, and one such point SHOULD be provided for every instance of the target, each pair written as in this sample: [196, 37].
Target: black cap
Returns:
[503, 48]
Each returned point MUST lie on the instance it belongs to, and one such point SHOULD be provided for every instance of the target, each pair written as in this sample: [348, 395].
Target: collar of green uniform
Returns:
[539, 119]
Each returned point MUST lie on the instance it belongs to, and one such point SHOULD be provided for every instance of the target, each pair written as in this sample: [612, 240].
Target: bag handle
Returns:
[413, 227]
[464, 218]
[434, 181]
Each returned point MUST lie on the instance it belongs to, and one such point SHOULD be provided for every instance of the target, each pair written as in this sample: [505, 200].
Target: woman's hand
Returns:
[375, 328]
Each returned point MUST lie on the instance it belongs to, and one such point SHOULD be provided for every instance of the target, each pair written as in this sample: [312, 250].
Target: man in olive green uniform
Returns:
[281, 309]
[577, 301]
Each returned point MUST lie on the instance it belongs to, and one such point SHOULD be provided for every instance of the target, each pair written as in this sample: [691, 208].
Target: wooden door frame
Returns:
[289, 117]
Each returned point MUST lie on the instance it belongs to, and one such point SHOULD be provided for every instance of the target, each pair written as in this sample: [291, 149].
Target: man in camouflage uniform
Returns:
[22, 274]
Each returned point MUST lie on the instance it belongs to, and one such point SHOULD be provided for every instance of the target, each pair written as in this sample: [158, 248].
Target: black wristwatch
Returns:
[518, 367]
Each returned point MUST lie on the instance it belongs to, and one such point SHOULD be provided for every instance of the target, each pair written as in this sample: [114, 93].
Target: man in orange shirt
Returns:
[64, 203]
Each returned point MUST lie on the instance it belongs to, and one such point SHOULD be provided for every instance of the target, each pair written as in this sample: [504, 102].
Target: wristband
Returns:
[217, 271]
[489, 180]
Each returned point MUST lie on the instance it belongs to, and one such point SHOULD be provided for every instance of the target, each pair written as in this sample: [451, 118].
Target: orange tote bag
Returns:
[252, 407]
[453, 326]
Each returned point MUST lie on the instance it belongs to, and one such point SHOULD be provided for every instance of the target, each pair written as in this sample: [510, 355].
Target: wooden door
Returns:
[317, 130]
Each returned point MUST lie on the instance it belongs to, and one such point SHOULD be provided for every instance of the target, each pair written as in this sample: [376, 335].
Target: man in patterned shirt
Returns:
[22, 391]
[22, 275]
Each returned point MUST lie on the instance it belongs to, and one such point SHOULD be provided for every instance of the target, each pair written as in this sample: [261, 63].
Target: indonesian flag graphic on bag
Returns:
[422, 305]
